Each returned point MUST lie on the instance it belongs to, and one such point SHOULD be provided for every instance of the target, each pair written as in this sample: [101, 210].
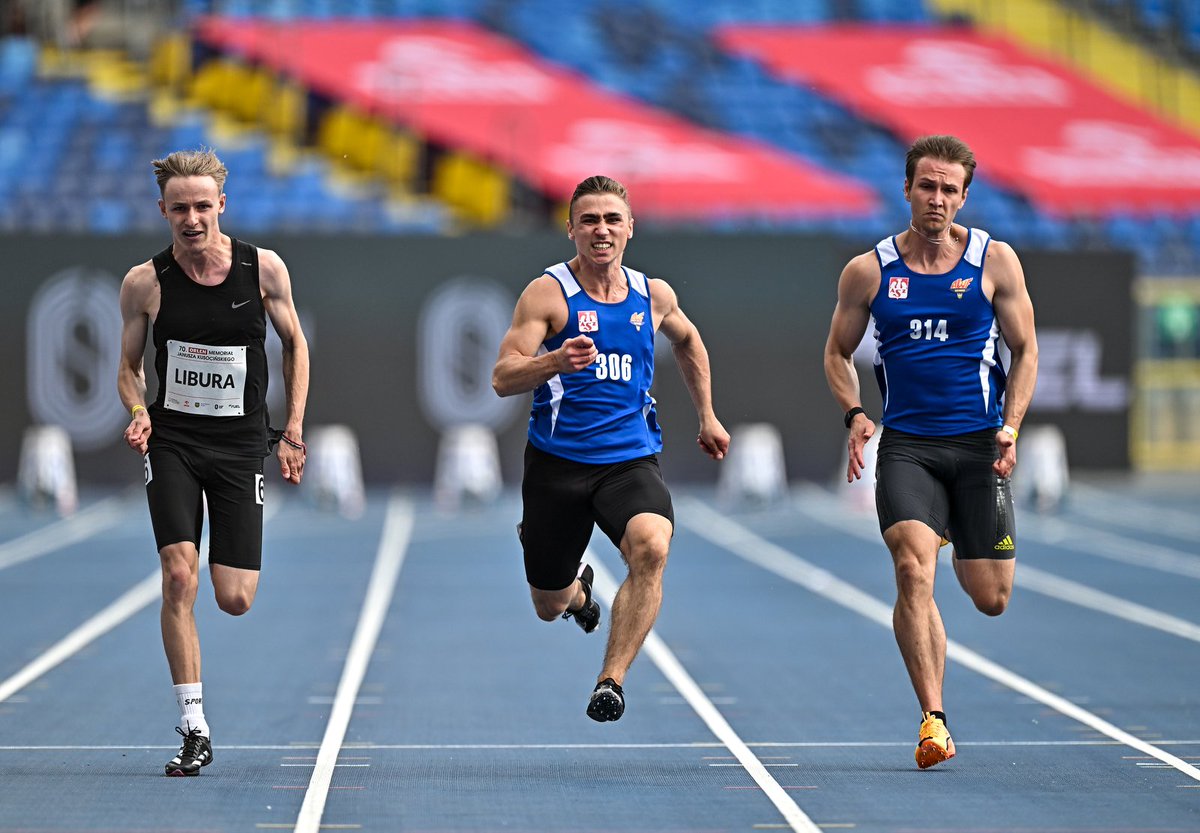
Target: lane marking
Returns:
[393, 546]
[123, 607]
[61, 534]
[1027, 577]
[485, 747]
[740, 541]
[673, 670]
[1144, 517]
[1070, 536]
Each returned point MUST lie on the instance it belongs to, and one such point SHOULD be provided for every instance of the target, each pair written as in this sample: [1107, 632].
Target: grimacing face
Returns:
[601, 226]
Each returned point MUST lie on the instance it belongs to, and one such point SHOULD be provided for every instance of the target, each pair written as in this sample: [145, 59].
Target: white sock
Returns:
[190, 697]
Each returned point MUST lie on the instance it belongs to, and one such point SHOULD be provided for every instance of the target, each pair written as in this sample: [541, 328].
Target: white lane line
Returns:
[499, 747]
[123, 607]
[78, 527]
[1118, 548]
[393, 545]
[1027, 577]
[1139, 516]
[1080, 594]
[673, 670]
[744, 543]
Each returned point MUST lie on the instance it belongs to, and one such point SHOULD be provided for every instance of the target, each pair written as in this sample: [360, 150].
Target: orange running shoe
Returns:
[935, 744]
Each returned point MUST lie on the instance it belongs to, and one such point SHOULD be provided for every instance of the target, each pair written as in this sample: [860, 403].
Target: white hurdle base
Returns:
[753, 471]
[468, 467]
[333, 470]
[1042, 476]
[46, 472]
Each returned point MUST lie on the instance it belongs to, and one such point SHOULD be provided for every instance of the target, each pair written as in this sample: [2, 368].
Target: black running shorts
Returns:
[564, 499]
[179, 479]
[947, 483]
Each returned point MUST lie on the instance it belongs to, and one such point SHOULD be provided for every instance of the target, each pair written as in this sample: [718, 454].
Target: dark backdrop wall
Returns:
[404, 331]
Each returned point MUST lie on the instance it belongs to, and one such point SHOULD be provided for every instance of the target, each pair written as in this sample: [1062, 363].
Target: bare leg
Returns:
[915, 618]
[234, 587]
[644, 547]
[988, 581]
[180, 566]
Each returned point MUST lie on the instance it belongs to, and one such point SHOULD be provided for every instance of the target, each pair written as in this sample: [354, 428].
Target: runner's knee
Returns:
[234, 602]
[992, 602]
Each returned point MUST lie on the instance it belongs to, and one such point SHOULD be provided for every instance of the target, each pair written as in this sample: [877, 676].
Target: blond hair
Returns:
[202, 162]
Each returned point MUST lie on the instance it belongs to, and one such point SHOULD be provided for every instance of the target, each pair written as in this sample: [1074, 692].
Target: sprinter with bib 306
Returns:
[582, 340]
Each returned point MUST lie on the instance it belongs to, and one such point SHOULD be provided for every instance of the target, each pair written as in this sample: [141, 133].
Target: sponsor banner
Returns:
[460, 86]
[403, 347]
[1035, 126]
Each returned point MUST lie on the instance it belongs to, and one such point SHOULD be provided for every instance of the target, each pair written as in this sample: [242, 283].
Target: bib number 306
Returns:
[615, 366]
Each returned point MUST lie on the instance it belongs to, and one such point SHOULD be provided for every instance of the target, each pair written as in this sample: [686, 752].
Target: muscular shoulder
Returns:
[662, 296]
[543, 294]
[273, 278]
[140, 285]
[860, 277]
[1002, 268]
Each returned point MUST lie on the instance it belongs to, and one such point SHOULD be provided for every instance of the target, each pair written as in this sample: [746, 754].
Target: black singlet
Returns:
[205, 383]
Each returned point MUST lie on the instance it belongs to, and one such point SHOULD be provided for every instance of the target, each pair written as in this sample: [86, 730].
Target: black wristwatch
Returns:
[853, 412]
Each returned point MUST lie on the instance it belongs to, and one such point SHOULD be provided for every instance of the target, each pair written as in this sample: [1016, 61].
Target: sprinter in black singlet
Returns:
[207, 297]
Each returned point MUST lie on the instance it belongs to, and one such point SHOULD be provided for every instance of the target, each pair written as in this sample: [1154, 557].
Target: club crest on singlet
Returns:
[898, 288]
[589, 322]
[204, 379]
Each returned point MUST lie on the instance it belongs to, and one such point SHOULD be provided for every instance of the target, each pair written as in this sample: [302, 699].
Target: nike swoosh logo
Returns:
[242, 304]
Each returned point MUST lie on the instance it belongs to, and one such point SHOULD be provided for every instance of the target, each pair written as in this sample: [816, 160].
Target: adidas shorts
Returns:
[180, 479]
[564, 499]
[947, 483]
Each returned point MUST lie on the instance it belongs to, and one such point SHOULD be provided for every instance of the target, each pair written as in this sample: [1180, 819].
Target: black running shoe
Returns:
[608, 701]
[195, 753]
[588, 616]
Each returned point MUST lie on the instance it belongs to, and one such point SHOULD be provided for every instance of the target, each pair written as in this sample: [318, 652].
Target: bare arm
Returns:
[856, 289]
[1014, 312]
[138, 300]
[692, 358]
[276, 287]
[541, 312]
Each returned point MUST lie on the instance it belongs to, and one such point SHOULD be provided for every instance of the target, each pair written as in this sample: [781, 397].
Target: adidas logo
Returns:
[1005, 544]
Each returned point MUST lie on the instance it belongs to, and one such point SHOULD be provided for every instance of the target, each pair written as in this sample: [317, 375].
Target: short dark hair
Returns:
[598, 185]
[943, 147]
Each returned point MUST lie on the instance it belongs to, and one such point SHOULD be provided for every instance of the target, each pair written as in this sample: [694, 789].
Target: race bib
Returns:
[205, 380]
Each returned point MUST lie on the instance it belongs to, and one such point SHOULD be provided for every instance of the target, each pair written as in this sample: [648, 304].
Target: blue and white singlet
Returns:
[603, 413]
[936, 337]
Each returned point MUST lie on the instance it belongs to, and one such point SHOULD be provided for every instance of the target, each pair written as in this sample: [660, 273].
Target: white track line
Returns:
[1030, 578]
[744, 543]
[673, 670]
[123, 607]
[1118, 548]
[484, 747]
[78, 527]
[393, 546]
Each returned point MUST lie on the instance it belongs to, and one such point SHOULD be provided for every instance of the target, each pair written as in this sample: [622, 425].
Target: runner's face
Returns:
[601, 227]
[191, 205]
[936, 193]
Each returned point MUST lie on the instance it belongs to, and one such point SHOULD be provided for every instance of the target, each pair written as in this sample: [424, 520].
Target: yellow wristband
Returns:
[133, 411]
[1008, 429]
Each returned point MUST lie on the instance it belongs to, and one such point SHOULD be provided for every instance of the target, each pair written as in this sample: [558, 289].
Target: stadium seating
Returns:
[69, 153]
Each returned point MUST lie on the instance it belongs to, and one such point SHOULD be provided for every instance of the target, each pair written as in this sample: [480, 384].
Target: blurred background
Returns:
[411, 162]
